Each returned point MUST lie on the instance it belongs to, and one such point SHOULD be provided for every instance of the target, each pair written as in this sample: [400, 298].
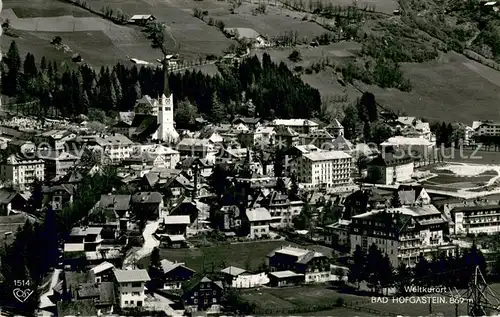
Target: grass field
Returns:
[243, 255]
[43, 8]
[453, 88]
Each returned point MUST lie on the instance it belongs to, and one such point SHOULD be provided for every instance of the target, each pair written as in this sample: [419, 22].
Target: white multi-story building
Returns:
[325, 168]
[301, 126]
[413, 146]
[22, 171]
[476, 218]
[116, 147]
[129, 285]
[390, 169]
[402, 233]
[486, 128]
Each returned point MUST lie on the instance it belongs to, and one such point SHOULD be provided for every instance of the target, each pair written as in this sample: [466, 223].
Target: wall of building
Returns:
[128, 293]
[250, 280]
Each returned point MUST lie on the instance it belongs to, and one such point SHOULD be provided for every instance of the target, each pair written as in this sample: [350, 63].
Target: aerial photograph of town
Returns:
[250, 158]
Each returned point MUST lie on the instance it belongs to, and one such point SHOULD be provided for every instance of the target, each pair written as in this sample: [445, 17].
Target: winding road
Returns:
[150, 243]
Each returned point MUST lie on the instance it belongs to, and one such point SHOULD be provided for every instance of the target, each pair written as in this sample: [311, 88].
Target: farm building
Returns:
[142, 19]
[249, 34]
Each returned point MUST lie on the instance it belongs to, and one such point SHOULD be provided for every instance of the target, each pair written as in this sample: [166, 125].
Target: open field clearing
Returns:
[453, 88]
[243, 255]
[43, 8]
[463, 176]
[190, 36]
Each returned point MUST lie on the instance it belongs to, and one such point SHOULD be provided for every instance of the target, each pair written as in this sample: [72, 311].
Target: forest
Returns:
[272, 88]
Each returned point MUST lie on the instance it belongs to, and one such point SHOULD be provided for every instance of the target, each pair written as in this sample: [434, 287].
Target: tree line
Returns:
[273, 88]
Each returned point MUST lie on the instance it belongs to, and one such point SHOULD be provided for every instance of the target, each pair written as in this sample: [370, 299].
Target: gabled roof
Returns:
[147, 198]
[341, 143]
[104, 266]
[389, 159]
[233, 271]
[7, 196]
[180, 219]
[168, 266]
[116, 202]
[258, 214]
[335, 124]
[409, 194]
[84, 231]
[130, 276]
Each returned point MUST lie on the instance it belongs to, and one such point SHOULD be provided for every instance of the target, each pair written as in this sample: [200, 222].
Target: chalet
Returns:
[142, 19]
[256, 222]
[202, 294]
[174, 274]
[116, 209]
[363, 200]
[102, 272]
[59, 196]
[83, 239]
[176, 225]
[102, 295]
[314, 265]
[147, 205]
[251, 123]
[410, 195]
[337, 234]
[335, 128]
[11, 201]
[228, 218]
[282, 208]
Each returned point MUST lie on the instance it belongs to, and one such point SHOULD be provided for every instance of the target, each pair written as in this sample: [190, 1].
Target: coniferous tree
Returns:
[395, 200]
[43, 64]
[13, 61]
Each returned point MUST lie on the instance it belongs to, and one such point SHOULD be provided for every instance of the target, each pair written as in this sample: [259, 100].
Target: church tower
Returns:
[165, 117]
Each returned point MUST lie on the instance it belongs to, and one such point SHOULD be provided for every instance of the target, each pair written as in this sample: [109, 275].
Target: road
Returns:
[45, 302]
[150, 243]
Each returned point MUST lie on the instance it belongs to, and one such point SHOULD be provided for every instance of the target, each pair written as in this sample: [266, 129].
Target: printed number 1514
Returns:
[21, 283]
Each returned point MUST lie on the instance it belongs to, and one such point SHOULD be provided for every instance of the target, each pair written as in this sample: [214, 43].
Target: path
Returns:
[150, 243]
[45, 302]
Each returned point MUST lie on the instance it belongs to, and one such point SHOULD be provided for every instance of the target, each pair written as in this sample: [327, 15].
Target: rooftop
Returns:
[294, 122]
[401, 140]
[129, 276]
[284, 274]
[84, 231]
[258, 214]
[326, 155]
[177, 220]
[233, 271]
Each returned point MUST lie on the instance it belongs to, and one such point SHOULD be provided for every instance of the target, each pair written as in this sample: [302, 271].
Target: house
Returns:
[189, 164]
[388, 168]
[124, 128]
[59, 196]
[211, 134]
[116, 147]
[57, 163]
[251, 123]
[21, 146]
[231, 156]
[203, 149]
[176, 225]
[11, 201]
[142, 19]
[314, 265]
[249, 34]
[228, 218]
[285, 137]
[363, 200]
[337, 234]
[414, 127]
[174, 274]
[335, 128]
[54, 139]
[101, 295]
[323, 168]
[282, 208]
[102, 272]
[239, 278]
[22, 171]
[129, 286]
[83, 239]
[301, 126]
[257, 222]
[285, 278]
[116, 209]
[404, 234]
[202, 294]
[156, 155]
[410, 195]
[147, 205]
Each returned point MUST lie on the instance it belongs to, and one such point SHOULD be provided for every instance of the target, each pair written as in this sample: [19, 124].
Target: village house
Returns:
[174, 274]
[323, 168]
[335, 128]
[281, 208]
[101, 295]
[21, 146]
[251, 123]
[21, 171]
[390, 169]
[314, 265]
[414, 127]
[102, 272]
[239, 278]
[227, 218]
[285, 137]
[203, 149]
[116, 210]
[248, 34]
[410, 195]
[129, 286]
[363, 200]
[320, 138]
[476, 217]
[10, 201]
[256, 222]
[337, 234]
[211, 134]
[231, 156]
[54, 139]
[59, 196]
[155, 155]
[412, 146]
[83, 239]
[142, 19]
[202, 294]
[176, 225]
[147, 205]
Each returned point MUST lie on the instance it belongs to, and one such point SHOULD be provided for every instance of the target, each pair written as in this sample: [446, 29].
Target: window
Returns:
[214, 300]
[131, 302]
[136, 293]
[136, 284]
[195, 301]
[215, 293]
[126, 302]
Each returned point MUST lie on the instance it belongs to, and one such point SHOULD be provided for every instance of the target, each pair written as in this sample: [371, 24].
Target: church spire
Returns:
[166, 85]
